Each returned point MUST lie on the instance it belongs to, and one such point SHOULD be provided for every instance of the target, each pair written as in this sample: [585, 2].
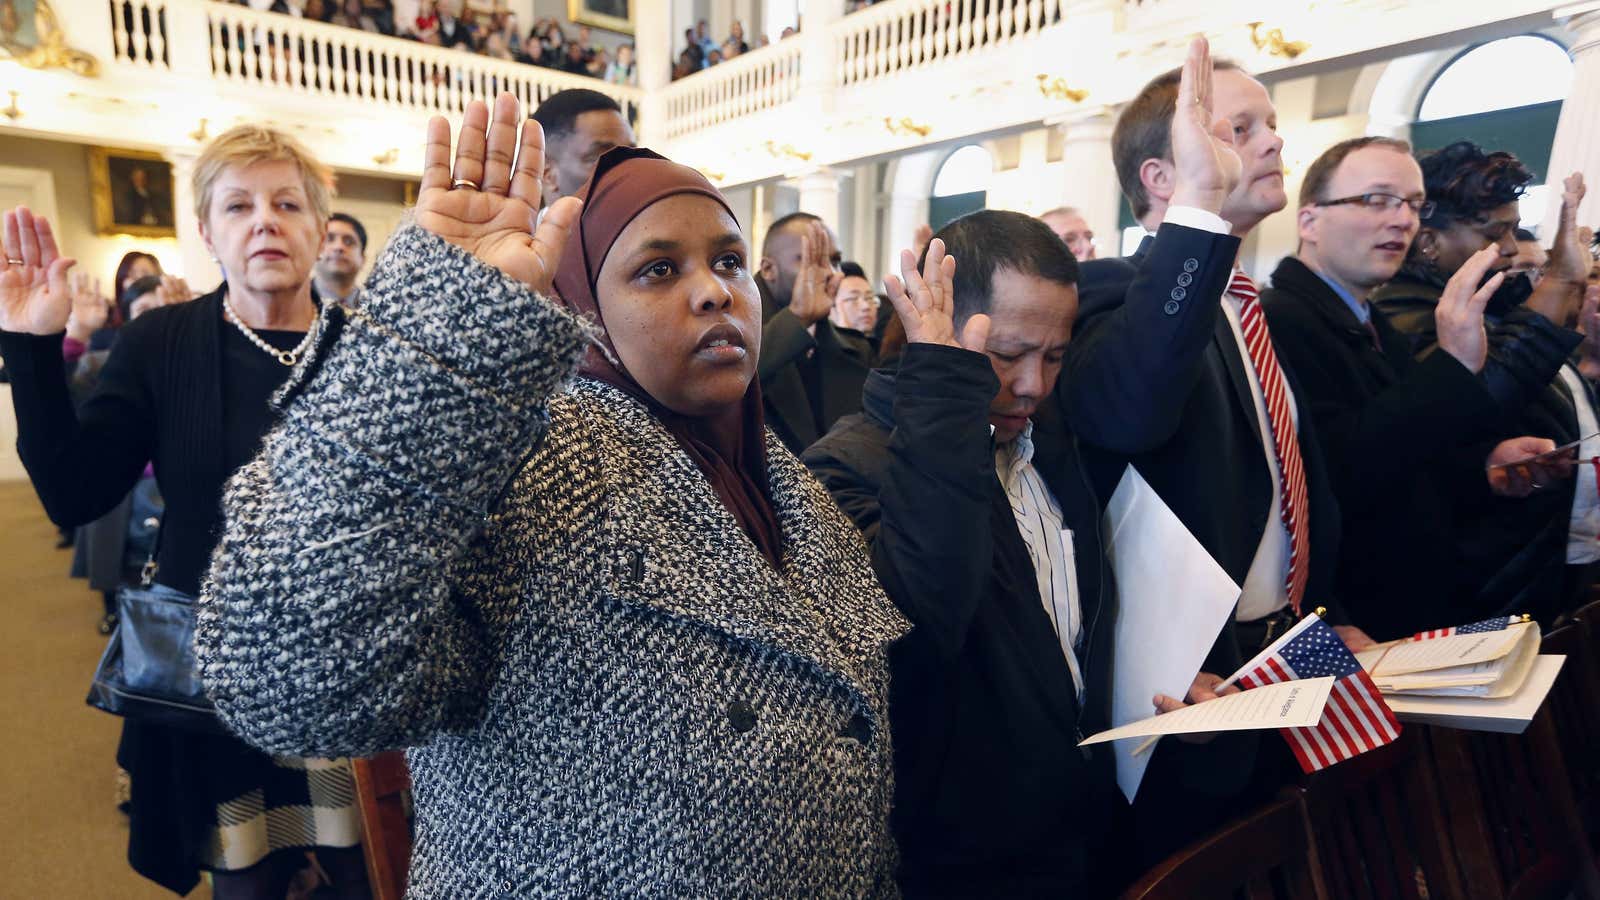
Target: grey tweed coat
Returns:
[604, 688]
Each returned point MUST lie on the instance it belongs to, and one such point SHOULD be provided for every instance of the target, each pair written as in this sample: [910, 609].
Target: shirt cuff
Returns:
[1195, 217]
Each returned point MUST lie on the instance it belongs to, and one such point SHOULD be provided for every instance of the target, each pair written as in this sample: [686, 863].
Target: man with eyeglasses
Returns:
[1406, 440]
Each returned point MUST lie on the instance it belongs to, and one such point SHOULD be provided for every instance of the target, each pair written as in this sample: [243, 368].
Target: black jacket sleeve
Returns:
[1131, 365]
[928, 521]
[82, 463]
[1526, 350]
[784, 339]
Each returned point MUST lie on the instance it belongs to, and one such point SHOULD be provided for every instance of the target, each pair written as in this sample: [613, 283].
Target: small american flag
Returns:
[1498, 623]
[1355, 720]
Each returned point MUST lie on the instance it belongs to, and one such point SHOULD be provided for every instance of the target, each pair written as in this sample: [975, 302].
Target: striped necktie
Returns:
[1275, 391]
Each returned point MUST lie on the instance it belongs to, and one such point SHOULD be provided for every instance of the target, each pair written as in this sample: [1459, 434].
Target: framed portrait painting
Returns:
[610, 15]
[132, 193]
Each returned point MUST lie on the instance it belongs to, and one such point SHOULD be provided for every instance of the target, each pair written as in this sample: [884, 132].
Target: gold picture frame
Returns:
[132, 192]
[609, 15]
[31, 35]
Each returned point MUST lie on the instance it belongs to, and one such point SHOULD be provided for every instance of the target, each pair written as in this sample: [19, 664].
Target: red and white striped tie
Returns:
[1291, 469]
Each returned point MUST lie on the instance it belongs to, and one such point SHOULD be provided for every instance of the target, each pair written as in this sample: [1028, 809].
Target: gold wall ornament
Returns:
[200, 133]
[714, 176]
[1058, 89]
[905, 126]
[387, 157]
[786, 151]
[1274, 43]
[12, 112]
[30, 35]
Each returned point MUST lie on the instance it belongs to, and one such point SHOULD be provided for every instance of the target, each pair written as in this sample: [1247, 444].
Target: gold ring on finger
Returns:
[464, 183]
[15, 262]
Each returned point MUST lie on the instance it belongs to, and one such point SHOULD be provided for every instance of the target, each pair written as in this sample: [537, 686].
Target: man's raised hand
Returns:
[925, 302]
[495, 220]
[811, 297]
[1207, 166]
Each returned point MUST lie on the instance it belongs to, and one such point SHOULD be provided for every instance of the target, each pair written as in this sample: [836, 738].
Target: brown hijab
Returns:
[732, 452]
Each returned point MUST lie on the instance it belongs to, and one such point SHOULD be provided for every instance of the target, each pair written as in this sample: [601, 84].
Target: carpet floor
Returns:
[61, 835]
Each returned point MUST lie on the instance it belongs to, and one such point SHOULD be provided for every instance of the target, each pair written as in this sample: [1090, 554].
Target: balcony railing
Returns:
[242, 47]
[890, 38]
[748, 83]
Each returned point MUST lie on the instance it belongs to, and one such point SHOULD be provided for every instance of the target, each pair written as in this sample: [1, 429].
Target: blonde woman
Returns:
[186, 389]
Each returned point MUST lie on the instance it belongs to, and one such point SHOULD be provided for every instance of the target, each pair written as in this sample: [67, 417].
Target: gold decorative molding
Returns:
[49, 49]
[1058, 89]
[905, 126]
[714, 176]
[1273, 42]
[786, 151]
[12, 112]
[200, 134]
[387, 157]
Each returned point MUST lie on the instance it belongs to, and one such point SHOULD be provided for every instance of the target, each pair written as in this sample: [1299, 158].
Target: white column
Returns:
[820, 195]
[654, 40]
[1577, 143]
[1089, 179]
[199, 270]
[819, 60]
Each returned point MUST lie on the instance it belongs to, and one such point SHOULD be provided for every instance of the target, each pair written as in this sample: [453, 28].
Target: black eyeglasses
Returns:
[1378, 201]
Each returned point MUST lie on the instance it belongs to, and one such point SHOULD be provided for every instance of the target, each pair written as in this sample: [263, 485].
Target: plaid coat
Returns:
[603, 687]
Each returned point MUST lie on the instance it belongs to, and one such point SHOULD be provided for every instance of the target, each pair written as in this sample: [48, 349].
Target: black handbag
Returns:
[148, 670]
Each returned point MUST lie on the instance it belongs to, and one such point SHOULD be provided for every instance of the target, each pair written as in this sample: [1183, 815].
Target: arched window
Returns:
[961, 185]
[1503, 95]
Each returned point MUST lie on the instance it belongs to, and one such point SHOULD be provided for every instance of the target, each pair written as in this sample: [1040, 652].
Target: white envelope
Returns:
[1173, 600]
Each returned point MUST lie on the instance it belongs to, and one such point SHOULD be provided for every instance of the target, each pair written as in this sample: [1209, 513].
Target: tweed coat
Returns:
[604, 688]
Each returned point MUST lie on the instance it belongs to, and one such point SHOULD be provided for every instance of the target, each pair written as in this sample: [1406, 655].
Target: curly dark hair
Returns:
[1464, 182]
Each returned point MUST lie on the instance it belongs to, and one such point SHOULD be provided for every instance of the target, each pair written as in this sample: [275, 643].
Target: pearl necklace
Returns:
[287, 357]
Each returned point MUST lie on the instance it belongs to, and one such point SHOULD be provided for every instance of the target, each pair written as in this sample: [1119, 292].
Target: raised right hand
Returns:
[496, 222]
[90, 311]
[811, 299]
[35, 297]
[1459, 315]
[925, 302]
[1207, 166]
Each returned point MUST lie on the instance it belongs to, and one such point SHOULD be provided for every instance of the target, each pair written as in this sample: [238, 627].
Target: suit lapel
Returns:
[1233, 360]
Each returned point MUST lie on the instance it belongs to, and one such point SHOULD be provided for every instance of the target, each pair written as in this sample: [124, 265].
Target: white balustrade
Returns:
[901, 35]
[283, 53]
[750, 82]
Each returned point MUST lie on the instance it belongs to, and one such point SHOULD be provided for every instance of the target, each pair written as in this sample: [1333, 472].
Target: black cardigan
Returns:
[159, 399]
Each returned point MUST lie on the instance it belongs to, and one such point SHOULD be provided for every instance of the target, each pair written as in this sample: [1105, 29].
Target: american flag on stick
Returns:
[1355, 720]
[1498, 623]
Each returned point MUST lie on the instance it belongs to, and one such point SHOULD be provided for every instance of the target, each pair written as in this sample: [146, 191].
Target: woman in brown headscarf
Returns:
[632, 647]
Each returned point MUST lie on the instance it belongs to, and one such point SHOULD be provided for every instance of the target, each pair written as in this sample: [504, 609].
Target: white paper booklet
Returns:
[1287, 704]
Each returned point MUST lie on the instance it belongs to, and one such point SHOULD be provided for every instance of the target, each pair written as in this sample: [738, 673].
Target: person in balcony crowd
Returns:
[352, 14]
[576, 60]
[454, 29]
[344, 252]
[1072, 228]
[1159, 376]
[810, 375]
[1530, 555]
[714, 57]
[633, 647]
[702, 36]
[1408, 443]
[984, 530]
[623, 70]
[186, 389]
[580, 125]
[736, 37]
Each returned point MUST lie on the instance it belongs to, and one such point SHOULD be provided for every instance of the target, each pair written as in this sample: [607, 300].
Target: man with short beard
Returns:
[811, 374]
[1408, 442]
[579, 126]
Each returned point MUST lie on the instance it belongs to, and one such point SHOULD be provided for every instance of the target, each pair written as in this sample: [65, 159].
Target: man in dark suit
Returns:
[810, 377]
[984, 529]
[1161, 377]
[1407, 441]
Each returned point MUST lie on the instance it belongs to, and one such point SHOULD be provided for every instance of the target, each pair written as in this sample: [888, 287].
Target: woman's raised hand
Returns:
[90, 311]
[35, 297]
[494, 221]
[925, 302]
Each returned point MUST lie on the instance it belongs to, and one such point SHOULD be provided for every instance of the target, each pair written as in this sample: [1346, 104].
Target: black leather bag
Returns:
[148, 670]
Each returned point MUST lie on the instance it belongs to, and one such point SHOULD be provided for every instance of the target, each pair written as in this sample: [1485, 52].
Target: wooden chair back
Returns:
[383, 790]
[1574, 704]
[1267, 855]
[1379, 826]
[1510, 815]
[1589, 615]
